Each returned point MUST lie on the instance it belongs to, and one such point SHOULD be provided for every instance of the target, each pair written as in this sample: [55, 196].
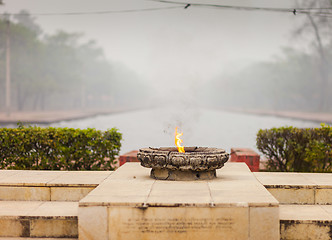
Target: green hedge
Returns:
[291, 149]
[58, 148]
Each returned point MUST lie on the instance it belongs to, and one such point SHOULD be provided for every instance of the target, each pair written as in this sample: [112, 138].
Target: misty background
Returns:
[133, 54]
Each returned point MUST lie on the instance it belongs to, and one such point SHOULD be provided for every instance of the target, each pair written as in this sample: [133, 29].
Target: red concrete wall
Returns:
[247, 155]
[128, 157]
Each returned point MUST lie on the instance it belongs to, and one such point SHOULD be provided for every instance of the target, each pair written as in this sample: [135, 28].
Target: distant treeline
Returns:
[291, 82]
[61, 71]
[296, 80]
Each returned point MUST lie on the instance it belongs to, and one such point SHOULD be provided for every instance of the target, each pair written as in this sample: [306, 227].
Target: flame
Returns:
[178, 141]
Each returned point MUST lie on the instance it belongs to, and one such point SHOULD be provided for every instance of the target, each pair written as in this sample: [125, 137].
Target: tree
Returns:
[319, 24]
[61, 70]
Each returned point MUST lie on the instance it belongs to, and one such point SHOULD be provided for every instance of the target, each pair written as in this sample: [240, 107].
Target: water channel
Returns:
[200, 127]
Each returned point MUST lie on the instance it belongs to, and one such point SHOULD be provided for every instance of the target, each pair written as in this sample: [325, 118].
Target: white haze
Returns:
[173, 50]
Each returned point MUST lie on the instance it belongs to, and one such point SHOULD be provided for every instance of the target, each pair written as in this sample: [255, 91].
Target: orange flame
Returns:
[178, 141]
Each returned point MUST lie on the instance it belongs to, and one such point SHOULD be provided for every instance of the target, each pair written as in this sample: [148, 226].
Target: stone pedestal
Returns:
[130, 205]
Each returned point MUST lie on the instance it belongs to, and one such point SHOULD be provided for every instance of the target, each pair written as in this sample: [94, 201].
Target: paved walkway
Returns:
[47, 117]
[308, 116]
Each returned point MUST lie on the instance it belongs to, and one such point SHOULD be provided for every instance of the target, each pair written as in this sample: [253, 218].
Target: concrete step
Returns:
[18, 185]
[305, 222]
[298, 188]
[37, 219]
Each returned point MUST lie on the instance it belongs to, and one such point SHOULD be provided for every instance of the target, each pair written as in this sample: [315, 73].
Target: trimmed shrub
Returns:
[36, 148]
[290, 149]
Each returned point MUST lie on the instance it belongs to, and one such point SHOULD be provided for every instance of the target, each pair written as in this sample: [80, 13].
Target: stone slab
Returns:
[279, 179]
[261, 220]
[30, 178]
[30, 185]
[8, 173]
[322, 180]
[93, 223]
[165, 223]
[139, 207]
[52, 178]
[66, 227]
[298, 188]
[80, 178]
[69, 193]
[323, 196]
[294, 195]
[25, 193]
[300, 222]
[38, 219]
[43, 193]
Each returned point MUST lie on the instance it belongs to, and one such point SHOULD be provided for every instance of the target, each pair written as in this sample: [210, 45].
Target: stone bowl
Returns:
[196, 163]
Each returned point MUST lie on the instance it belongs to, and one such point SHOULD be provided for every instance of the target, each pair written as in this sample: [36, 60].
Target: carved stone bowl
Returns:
[196, 163]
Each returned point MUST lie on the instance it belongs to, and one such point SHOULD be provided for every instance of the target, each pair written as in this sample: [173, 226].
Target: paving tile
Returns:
[283, 178]
[96, 200]
[327, 208]
[31, 177]
[18, 208]
[55, 209]
[129, 171]
[186, 192]
[322, 180]
[186, 198]
[123, 188]
[8, 173]
[307, 213]
[237, 192]
[80, 178]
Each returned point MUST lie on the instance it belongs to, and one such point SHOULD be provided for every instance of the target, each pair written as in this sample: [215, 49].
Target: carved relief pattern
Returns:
[196, 159]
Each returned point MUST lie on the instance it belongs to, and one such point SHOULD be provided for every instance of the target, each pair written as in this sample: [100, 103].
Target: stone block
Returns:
[303, 222]
[69, 193]
[93, 223]
[164, 223]
[18, 193]
[57, 228]
[290, 230]
[14, 227]
[295, 195]
[323, 195]
[264, 223]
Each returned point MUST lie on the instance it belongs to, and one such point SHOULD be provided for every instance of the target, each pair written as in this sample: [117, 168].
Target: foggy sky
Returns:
[176, 47]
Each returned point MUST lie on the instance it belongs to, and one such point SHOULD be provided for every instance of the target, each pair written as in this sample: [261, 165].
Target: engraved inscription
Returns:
[176, 225]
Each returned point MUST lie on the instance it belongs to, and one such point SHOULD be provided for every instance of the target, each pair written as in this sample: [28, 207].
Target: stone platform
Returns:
[84, 205]
[131, 205]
